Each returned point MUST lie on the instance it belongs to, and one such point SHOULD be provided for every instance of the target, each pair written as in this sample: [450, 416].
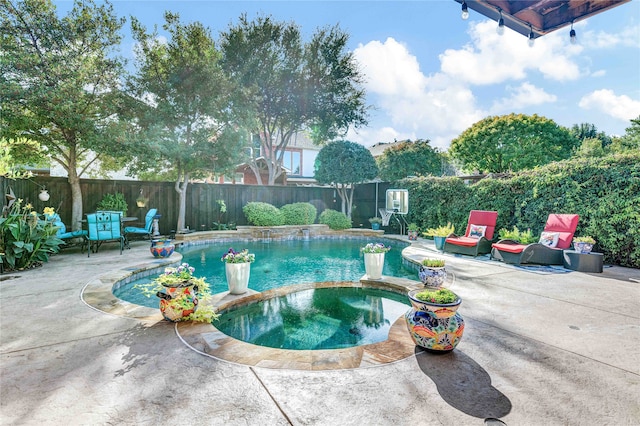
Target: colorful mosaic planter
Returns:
[434, 326]
[177, 303]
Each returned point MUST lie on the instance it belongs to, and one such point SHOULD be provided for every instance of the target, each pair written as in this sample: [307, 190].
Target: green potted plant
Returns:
[439, 234]
[238, 269]
[182, 295]
[583, 244]
[375, 222]
[374, 259]
[113, 203]
[521, 237]
[433, 321]
[412, 231]
[432, 272]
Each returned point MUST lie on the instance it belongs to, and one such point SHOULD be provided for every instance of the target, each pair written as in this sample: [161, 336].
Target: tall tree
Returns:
[630, 141]
[511, 143]
[183, 105]
[344, 164]
[409, 158]
[284, 86]
[590, 131]
[60, 83]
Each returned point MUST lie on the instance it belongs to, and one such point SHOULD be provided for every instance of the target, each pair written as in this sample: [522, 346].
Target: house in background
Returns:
[297, 164]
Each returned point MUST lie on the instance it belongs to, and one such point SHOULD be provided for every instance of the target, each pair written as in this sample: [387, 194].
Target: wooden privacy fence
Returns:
[201, 205]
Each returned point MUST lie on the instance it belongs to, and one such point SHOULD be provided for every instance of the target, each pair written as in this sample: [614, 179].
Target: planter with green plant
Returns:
[375, 222]
[432, 272]
[583, 244]
[518, 236]
[113, 203]
[374, 259]
[433, 321]
[412, 231]
[238, 269]
[440, 234]
[182, 296]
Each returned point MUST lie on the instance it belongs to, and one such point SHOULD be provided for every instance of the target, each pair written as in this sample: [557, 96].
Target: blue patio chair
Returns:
[148, 221]
[62, 229]
[104, 226]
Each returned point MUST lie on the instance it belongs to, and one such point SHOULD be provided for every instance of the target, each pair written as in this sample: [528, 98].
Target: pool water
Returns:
[321, 318]
[281, 263]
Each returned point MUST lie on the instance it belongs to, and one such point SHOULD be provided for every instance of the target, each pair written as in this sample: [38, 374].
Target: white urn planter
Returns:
[373, 264]
[238, 277]
[44, 195]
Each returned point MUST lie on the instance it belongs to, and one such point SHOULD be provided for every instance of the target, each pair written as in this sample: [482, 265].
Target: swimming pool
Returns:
[318, 318]
[282, 263]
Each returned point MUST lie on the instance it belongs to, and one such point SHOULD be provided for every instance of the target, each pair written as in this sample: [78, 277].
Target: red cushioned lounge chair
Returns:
[478, 237]
[564, 225]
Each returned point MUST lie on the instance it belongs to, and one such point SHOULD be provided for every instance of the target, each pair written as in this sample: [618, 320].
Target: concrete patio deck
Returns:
[541, 347]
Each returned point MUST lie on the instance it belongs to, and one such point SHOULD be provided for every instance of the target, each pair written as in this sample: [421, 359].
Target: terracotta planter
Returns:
[238, 277]
[373, 264]
[179, 301]
[433, 326]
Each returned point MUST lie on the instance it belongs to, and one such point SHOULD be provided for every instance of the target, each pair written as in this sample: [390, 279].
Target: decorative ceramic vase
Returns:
[583, 248]
[178, 302]
[373, 264]
[375, 226]
[162, 248]
[413, 235]
[434, 326]
[238, 277]
[439, 241]
[432, 277]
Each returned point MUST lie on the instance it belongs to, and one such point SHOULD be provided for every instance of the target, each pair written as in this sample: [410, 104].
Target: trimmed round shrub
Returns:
[299, 213]
[334, 219]
[262, 214]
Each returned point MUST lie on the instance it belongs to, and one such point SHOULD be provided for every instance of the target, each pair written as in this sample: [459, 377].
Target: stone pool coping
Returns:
[209, 341]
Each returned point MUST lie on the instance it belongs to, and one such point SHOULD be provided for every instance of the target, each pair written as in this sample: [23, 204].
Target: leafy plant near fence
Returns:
[334, 219]
[26, 240]
[263, 214]
[113, 203]
[299, 213]
[522, 237]
[604, 192]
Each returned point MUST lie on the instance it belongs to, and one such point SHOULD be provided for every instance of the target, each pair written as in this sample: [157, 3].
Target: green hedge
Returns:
[263, 214]
[334, 219]
[299, 213]
[605, 192]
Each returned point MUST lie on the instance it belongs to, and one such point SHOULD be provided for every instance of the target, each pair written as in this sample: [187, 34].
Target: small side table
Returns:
[582, 262]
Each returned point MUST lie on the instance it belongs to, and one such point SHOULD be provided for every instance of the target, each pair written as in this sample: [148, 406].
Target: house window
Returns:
[291, 161]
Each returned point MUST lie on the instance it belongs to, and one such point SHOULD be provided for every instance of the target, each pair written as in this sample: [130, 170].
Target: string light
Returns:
[531, 36]
[500, 29]
[572, 35]
[465, 10]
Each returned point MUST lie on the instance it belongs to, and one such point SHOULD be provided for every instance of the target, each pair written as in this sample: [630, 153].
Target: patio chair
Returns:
[148, 222]
[62, 229]
[104, 226]
[478, 237]
[557, 236]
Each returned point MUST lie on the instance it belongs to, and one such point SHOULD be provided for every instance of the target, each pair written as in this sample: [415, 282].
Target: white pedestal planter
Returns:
[238, 277]
[373, 264]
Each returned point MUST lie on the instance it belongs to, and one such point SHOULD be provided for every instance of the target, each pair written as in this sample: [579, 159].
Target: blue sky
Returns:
[431, 75]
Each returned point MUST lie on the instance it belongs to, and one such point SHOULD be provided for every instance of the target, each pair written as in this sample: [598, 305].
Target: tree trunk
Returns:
[181, 189]
[76, 200]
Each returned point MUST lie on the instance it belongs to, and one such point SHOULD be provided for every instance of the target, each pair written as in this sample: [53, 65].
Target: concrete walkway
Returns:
[541, 347]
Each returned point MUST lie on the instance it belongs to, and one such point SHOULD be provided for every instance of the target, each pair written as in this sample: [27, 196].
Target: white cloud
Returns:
[607, 102]
[389, 68]
[492, 58]
[521, 97]
[436, 107]
[627, 37]
[599, 73]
